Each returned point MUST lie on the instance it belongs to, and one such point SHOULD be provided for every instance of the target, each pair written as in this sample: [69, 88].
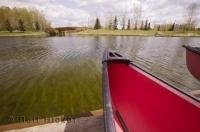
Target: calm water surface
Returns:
[62, 75]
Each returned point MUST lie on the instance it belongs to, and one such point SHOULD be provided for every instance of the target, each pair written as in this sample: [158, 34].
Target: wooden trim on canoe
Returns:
[109, 125]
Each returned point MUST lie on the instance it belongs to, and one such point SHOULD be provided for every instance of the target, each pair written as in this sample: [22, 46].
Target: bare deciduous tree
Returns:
[192, 10]
[29, 16]
[137, 13]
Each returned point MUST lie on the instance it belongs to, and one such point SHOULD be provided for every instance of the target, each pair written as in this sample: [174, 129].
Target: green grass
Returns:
[116, 32]
[26, 33]
[178, 34]
[106, 32]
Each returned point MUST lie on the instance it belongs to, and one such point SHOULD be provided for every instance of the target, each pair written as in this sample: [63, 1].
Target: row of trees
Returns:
[113, 24]
[145, 25]
[22, 19]
[189, 22]
[174, 27]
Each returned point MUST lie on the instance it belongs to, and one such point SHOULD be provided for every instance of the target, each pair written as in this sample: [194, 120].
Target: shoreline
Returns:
[22, 34]
[141, 33]
[106, 32]
[167, 36]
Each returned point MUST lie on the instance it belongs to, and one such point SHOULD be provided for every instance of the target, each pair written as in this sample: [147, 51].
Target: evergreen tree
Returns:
[37, 26]
[129, 24]
[158, 27]
[149, 26]
[115, 23]
[142, 26]
[172, 27]
[21, 25]
[135, 25]
[146, 25]
[8, 26]
[97, 24]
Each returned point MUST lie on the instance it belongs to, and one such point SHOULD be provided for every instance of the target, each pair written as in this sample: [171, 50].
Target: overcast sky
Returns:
[82, 12]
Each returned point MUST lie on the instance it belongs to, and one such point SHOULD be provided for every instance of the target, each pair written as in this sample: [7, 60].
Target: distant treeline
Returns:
[113, 24]
[144, 25]
[22, 19]
[189, 23]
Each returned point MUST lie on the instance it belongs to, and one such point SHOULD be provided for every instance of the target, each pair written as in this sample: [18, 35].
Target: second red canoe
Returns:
[193, 60]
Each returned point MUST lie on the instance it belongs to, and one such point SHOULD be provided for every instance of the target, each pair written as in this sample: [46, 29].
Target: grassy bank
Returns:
[26, 33]
[107, 32]
[117, 32]
[178, 34]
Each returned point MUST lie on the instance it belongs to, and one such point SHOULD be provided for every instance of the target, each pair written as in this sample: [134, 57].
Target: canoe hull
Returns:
[143, 103]
[193, 63]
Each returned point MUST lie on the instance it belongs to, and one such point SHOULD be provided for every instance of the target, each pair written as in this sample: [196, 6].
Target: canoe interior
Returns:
[142, 103]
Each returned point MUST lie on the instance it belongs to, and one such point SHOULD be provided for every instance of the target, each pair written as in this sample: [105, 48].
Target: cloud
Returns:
[82, 12]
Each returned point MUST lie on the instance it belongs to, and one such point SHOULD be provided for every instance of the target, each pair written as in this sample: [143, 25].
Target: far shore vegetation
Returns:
[108, 32]
[137, 27]
[23, 22]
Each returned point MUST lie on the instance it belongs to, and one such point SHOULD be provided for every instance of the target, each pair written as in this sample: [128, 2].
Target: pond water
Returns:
[62, 75]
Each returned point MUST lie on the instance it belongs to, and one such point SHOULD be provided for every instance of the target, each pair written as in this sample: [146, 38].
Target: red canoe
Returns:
[193, 60]
[136, 101]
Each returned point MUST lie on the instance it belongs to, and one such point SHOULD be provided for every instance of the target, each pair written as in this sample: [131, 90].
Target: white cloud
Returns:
[79, 12]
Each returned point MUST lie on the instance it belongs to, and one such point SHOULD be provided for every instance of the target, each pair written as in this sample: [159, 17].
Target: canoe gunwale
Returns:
[109, 125]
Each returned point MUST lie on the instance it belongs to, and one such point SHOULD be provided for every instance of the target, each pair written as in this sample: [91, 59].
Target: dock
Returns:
[91, 123]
